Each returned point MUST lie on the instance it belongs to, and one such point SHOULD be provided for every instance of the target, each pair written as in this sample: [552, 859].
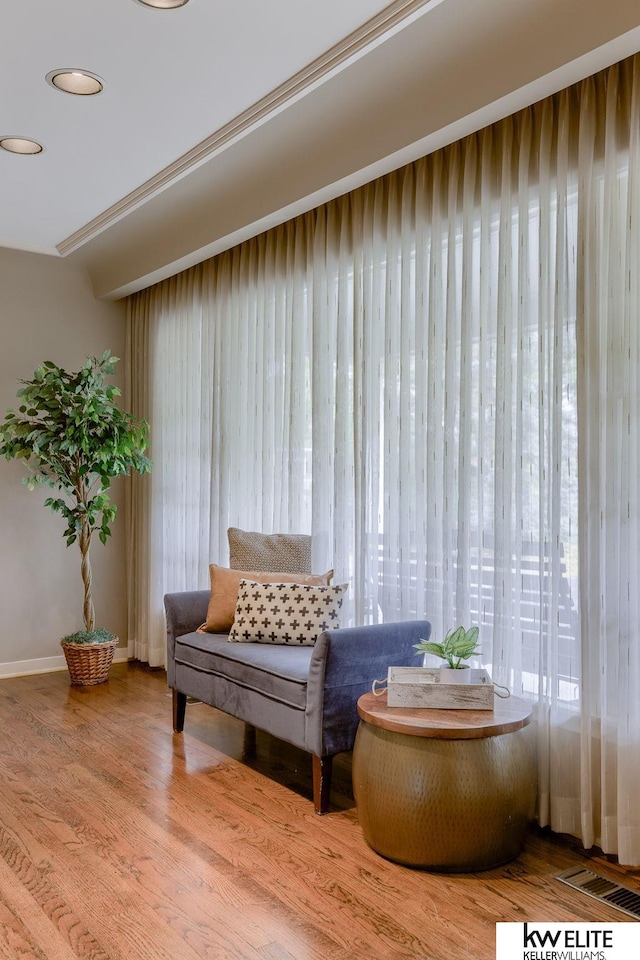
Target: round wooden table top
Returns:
[507, 715]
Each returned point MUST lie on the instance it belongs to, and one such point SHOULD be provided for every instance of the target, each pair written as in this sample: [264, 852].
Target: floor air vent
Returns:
[622, 898]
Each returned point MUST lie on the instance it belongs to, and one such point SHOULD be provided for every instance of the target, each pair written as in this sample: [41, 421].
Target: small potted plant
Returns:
[72, 437]
[456, 648]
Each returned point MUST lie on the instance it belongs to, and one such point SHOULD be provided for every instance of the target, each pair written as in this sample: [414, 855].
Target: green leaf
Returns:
[429, 646]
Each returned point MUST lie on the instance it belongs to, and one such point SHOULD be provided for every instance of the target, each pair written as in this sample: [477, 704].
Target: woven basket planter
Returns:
[89, 663]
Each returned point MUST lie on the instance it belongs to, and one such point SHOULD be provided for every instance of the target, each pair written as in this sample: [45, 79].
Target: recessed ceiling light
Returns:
[80, 82]
[20, 145]
[163, 4]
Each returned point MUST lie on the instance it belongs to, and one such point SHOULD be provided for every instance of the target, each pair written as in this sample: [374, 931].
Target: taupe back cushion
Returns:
[271, 552]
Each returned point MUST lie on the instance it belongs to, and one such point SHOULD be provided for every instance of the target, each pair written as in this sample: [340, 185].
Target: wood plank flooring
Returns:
[119, 839]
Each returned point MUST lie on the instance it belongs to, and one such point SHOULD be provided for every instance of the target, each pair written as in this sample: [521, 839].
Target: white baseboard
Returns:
[25, 668]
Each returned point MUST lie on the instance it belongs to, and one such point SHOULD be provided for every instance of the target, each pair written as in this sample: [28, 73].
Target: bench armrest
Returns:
[344, 664]
[185, 612]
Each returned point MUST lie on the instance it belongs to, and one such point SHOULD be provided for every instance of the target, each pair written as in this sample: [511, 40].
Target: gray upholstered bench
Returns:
[306, 696]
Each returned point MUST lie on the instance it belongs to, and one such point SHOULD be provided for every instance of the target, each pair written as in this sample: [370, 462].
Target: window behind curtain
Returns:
[405, 372]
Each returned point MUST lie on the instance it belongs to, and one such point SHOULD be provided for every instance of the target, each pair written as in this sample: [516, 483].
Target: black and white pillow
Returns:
[285, 613]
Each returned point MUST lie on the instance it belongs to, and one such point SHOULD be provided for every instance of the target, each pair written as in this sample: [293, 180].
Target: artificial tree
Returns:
[74, 438]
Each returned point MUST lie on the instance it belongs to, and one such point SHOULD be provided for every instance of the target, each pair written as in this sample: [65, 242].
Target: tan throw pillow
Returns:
[292, 614]
[225, 584]
[288, 552]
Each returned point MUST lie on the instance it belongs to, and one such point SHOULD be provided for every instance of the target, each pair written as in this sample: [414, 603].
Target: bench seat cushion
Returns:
[279, 673]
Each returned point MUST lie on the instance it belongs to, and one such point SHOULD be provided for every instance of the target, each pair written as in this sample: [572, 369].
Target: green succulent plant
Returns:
[458, 645]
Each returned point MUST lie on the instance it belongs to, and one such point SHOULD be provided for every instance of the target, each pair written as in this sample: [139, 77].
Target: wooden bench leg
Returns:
[322, 767]
[179, 707]
[249, 743]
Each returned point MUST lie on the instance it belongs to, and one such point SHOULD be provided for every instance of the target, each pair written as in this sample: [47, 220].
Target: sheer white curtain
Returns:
[169, 353]
[437, 375]
[609, 466]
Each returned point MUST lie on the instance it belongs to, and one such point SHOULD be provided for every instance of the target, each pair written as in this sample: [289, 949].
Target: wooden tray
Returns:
[421, 687]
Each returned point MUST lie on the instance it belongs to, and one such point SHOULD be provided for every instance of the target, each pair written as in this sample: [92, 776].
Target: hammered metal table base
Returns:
[447, 805]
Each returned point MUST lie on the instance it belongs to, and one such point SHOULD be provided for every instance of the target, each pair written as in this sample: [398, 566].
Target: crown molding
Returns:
[384, 24]
[30, 247]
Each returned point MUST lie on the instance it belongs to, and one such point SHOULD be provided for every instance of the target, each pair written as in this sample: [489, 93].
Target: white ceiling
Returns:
[224, 116]
[172, 77]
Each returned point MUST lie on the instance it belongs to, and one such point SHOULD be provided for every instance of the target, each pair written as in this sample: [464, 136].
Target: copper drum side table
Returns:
[448, 790]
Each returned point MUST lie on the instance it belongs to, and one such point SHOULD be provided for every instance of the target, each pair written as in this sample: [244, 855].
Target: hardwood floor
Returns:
[119, 839]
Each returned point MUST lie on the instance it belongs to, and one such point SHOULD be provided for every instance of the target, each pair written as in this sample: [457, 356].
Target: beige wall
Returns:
[49, 313]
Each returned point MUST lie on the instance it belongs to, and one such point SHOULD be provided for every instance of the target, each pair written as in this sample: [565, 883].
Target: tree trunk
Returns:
[85, 543]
